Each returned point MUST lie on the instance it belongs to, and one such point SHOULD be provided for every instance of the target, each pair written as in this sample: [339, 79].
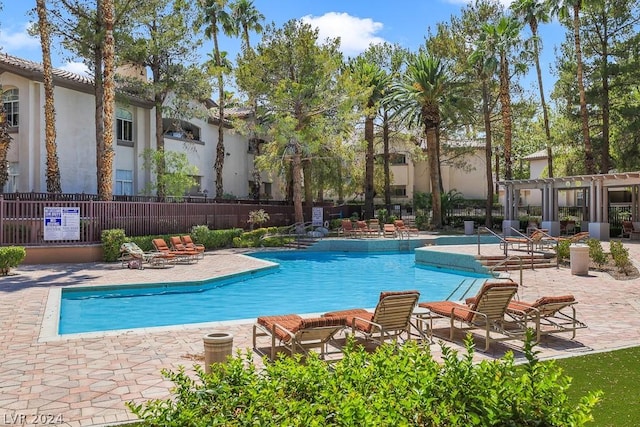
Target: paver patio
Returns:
[80, 381]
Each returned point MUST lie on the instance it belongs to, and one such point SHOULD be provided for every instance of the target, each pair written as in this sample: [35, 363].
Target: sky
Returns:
[358, 23]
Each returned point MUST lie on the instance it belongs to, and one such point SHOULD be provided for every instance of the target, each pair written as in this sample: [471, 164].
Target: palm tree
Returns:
[5, 142]
[500, 39]
[533, 12]
[106, 152]
[565, 10]
[218, 19]
[374, 81]
[248, 18]
[417, 101]
[53, 167]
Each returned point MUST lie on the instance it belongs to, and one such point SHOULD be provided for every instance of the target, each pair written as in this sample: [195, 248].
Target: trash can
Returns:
[217, 347]
[468, 227]
[579, 258]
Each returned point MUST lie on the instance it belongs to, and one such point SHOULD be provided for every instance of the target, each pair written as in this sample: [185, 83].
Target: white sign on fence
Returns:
[317, 217]
[61, 223]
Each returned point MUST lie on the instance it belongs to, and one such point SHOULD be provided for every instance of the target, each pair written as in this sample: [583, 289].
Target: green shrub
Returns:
[620, 256]
[596, 253]
[262, 237]
[10, 257]
[562, 250]
[394, 386]
[111, 242]
[214, 239]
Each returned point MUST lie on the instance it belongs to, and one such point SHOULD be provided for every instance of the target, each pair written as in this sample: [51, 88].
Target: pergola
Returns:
[595, 190]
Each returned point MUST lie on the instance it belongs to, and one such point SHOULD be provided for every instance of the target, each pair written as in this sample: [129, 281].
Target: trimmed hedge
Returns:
[395, 386]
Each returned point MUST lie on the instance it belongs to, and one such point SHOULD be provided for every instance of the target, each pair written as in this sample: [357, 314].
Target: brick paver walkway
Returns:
[86, 381]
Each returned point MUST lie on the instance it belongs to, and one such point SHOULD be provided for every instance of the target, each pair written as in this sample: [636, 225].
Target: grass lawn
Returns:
[617, 374]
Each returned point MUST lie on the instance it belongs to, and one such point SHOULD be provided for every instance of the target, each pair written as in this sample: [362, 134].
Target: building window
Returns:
[124, 125]
[197, 186]
[181, 129]
[124, 182]
[398, 191]
[11, 104]
[267, 190]
[11, 185]
[397, 159]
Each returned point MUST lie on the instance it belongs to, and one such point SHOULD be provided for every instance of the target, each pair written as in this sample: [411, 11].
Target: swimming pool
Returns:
[304, 282]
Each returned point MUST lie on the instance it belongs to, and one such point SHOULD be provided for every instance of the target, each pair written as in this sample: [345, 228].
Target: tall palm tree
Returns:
[53, 167]
[417, 101]
[218, 19]
[374, 81]
[570, 10]
[500, 38]
[106, 151]
[5, 142]
[534, 12]
[248, 18]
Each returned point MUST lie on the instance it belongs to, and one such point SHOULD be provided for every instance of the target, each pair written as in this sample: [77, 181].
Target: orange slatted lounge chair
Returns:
[346, 228]
[132, 256]
[486, 312]
[391, 318]
[363, 228]
[402, 227]
[374, 227]
[548, 314]
[190, 245]
[295, 334]
[178, 246]
[389, 230]
[161, 246]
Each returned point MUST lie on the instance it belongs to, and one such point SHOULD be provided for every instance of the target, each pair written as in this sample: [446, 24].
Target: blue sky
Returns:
[357, 22]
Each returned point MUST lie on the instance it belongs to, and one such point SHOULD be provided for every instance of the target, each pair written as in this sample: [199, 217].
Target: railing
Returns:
[503, 262]
[500, 238]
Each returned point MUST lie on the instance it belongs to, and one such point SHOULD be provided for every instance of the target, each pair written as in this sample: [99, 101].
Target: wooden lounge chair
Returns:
[374, 227]
[296, 334]
[548, 315]
[363, 229]
[486, 312]
[184, 256]
[391, 318]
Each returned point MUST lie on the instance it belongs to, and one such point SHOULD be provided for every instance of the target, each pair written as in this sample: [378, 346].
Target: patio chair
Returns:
[627, 229]
[389, 230]
[374, 226]
[295, 334]
[403, 228]
[392, 316]
[132, 256]
[188, 242]
[486, 312]
[346, 228]
[548, 314]
[180, 256]
[178, 246]
[363, 228]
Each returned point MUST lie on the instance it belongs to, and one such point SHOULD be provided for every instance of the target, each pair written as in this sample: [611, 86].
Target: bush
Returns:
[596, 253]
[394, 386]
[10, 257]
[262, 237]
[111, 242]
[563, 250]
[620, 256]
[214, 239]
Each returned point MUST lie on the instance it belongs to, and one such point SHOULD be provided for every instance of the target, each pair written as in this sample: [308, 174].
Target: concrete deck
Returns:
[86, 380]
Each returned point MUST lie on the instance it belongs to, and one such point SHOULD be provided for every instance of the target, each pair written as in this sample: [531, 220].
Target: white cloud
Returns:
[356, 34]
[13, 41]
[77, 68]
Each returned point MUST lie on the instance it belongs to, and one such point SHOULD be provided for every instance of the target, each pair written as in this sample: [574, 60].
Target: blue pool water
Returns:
[304, 282]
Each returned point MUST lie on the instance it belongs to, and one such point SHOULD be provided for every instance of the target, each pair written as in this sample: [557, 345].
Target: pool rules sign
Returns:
[61, 223]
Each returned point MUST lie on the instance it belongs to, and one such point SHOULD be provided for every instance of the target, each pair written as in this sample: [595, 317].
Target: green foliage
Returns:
[174, 173]
[111, 242]
[258, 217]
[261, 237]
[620, 256]
[563, 250]
[422, 219]
[596, 253]
[10, 257]
[394, 386]
[421, 200]
[214, 239]
[382, 215]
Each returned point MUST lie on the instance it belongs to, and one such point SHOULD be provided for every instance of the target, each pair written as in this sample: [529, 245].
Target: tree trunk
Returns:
[297, 184]
[584, 114]
[99, 115]
[486, 114]
[543, 103]
[505, 102]
[605, 163]
[5, 142]
[53, 167]
[387, 170]
[105, 187]
[368, 174]
[434, 175]
[308, 186]
[220, 150]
